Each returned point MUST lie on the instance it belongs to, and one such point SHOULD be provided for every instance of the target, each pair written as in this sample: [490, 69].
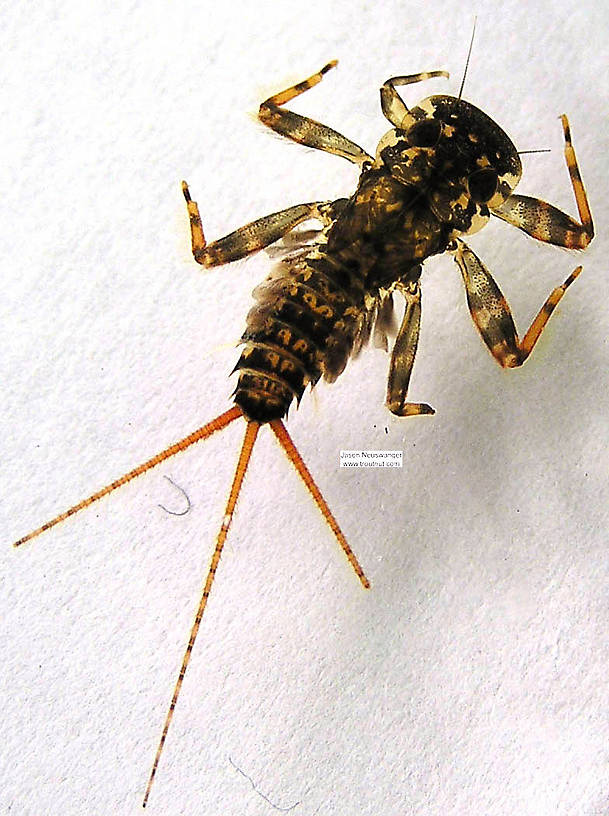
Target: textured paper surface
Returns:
[472, 677]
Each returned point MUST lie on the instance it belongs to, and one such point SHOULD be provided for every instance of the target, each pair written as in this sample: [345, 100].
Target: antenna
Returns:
[542, 150]
[469, 53]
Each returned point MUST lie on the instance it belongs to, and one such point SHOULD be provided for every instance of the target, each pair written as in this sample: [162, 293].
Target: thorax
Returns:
[385, 229]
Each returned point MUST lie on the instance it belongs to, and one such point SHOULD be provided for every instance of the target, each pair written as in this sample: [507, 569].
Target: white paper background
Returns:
[472, 678]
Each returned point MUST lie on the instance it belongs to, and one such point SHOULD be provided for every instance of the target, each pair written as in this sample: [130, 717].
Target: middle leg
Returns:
[307, 131]
[491, 313]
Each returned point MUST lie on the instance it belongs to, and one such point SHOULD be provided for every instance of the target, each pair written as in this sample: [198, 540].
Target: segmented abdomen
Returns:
[309, 313]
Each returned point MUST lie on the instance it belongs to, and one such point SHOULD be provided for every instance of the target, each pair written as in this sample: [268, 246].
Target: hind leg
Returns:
[253, 236]
[403, 354]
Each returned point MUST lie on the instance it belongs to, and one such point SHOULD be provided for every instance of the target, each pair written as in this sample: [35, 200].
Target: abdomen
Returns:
[309, 313]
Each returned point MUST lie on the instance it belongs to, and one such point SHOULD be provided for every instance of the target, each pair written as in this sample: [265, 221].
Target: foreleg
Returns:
[392, 104]
[544, 221]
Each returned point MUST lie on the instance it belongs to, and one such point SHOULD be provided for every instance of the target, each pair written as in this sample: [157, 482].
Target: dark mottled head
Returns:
[457, 156]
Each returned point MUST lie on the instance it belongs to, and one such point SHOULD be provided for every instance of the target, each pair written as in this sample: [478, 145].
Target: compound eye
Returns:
[483, 184]
[425, 133]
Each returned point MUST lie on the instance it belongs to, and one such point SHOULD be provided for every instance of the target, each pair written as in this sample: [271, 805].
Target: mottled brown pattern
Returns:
[442, 170]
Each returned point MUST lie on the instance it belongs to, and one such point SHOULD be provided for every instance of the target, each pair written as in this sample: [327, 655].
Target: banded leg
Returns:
[253, 236]
[403, 354]
[491, 313]
[546, 222]
[392, 104]
[307, 131]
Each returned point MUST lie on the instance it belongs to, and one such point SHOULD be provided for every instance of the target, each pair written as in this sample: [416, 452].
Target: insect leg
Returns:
[307, 131]
[392, 104]
[544, 221]
[253, 236]
[491, 313]
[403, 354]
